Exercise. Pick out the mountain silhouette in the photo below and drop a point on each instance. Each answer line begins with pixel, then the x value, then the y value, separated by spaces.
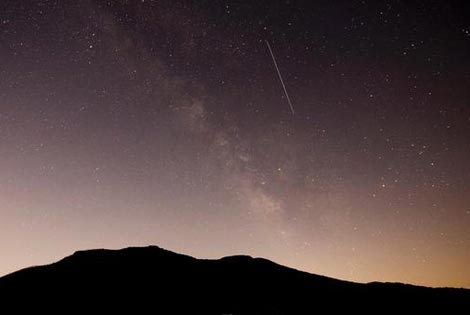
pixel 156 281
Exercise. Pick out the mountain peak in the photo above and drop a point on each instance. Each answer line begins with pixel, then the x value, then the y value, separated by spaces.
pixel 238 258
pixel 140 278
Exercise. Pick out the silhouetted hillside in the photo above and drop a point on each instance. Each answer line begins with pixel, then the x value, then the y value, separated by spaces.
pixel 158 281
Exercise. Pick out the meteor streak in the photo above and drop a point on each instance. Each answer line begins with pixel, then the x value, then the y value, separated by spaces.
pixel 280 78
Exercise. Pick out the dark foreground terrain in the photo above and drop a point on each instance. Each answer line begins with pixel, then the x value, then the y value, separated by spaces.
pixel 152 280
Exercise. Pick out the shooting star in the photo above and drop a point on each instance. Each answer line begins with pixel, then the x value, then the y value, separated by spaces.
pixel 280 78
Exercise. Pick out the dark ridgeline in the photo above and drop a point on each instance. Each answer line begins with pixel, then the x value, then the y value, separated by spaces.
pixel 156 281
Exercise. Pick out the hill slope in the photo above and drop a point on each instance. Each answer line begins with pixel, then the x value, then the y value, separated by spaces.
pixel 163 282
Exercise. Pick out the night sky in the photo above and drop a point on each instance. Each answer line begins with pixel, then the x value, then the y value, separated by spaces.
pixel 129 123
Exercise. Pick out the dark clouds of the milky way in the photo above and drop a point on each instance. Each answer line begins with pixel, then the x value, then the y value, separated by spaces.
pixel 164 122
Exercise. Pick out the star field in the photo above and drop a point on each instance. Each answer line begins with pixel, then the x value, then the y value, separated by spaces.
pixel 164 122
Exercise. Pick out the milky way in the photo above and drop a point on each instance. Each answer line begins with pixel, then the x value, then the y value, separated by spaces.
pixel 163 122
